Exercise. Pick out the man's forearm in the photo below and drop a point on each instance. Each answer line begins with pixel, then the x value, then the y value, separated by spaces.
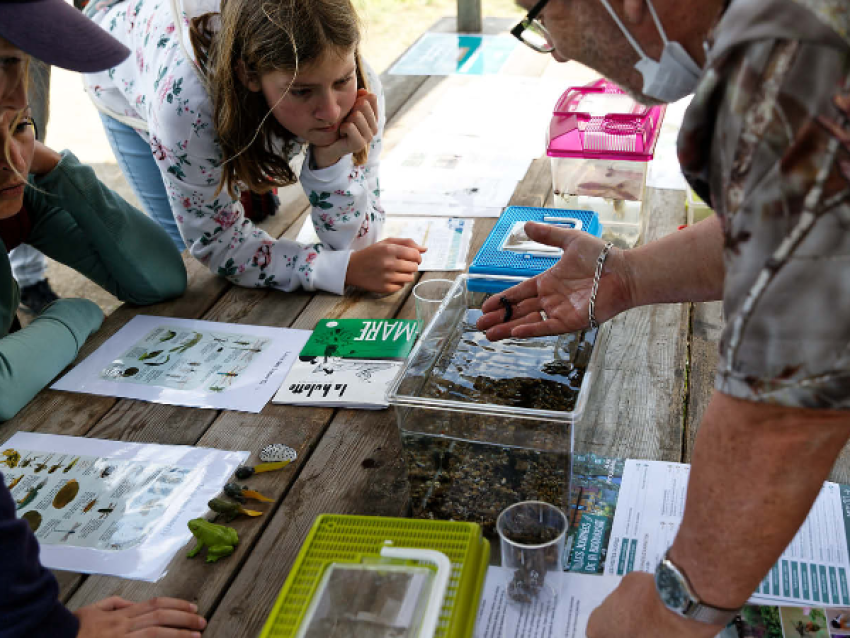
pixel 756 471
pixel 684 266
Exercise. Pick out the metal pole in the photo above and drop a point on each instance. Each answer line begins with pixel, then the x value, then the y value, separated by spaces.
pixel 469 16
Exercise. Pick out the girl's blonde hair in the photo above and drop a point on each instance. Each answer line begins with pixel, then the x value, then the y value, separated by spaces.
pixel 19 116
pixel 265 36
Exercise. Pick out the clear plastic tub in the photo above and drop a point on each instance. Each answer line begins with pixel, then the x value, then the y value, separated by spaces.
pixel 600 144
pixel 484 425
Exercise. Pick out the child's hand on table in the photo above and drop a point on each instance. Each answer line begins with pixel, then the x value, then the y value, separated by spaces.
pixel 156 618
pixel 386 266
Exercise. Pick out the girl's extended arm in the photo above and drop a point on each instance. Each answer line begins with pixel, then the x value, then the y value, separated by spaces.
pixel 83 224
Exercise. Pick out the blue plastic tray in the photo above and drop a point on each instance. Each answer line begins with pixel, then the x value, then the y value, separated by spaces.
pixel 495 261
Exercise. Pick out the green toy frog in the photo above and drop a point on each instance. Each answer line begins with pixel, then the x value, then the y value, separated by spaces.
pixel 219 540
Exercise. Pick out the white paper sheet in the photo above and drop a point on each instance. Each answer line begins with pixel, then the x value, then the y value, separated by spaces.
pixel 563 616
pixel 649 513
pixel 664 170
pixel 466 157
pixel 339 382
pixel 447 239
pixel 200 364
pixel 125 506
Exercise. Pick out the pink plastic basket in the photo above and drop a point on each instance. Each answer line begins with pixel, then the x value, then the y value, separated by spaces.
pixel 583 126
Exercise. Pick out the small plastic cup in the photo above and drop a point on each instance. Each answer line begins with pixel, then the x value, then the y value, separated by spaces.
pixel 429 295
pixel 532 536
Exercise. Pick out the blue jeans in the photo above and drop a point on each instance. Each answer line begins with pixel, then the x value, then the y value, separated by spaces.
pixel 28 265
pixel 136 161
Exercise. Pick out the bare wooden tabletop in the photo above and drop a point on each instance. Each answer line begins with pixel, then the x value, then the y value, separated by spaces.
pixel 657 377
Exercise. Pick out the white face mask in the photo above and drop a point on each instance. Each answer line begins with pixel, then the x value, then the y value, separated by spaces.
pixel 669 79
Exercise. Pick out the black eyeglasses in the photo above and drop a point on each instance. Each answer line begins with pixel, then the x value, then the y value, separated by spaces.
pixel 532 32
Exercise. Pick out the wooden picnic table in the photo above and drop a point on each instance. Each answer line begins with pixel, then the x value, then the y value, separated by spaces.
pixel 654 384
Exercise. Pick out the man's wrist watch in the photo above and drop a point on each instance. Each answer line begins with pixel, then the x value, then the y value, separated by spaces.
pixel 678 596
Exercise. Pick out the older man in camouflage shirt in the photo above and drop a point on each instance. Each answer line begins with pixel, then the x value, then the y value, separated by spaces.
pixel 767 141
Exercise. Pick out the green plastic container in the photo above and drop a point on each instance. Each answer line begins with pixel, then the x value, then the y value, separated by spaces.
pixel 336 538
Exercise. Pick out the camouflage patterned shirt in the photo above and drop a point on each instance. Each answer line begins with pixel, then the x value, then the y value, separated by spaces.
pixel 767 141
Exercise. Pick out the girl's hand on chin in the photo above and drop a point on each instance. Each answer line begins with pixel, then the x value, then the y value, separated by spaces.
pixel 355 132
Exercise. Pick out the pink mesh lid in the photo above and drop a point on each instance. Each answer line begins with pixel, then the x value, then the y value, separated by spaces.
pixel 601 121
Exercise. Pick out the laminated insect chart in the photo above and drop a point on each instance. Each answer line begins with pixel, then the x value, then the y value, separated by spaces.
pixel 193 363
pixel 110 507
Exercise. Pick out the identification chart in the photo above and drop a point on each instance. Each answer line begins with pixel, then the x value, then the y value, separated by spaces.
pixel 110 507
pixel 192 363
pixel 813 570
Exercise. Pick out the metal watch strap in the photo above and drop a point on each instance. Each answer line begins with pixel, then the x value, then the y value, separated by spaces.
pixel 711 615
pixel 696 609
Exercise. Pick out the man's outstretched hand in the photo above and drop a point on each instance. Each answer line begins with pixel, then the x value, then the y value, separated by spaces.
pixel 562 292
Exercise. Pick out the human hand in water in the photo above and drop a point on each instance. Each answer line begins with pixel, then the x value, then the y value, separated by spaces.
pixel 562 292
pixel 386 266
pixel 355 132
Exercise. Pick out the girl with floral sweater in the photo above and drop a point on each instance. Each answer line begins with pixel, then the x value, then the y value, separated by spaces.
pixel 224 98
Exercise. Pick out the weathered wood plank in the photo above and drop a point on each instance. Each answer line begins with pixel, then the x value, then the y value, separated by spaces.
pixel 356 469
pixel 469 18
pixel 706 326
pixel 636 407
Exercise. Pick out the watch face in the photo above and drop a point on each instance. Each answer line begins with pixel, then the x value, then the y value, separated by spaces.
pixel 670 588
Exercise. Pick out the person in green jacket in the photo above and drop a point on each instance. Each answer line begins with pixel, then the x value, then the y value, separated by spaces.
pixel 64 211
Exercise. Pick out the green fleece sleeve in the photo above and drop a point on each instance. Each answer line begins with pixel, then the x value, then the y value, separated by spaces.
pixel 31 357
pixel 83 224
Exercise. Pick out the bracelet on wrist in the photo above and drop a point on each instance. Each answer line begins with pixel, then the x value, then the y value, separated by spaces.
pixel 600 263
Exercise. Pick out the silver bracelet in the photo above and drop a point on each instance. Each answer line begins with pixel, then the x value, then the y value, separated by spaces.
pixel 600 262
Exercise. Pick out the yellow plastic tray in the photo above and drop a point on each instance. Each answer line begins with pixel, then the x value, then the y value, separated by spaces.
pixel 336 538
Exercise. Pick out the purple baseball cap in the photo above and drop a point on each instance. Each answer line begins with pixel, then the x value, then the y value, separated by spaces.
pixel 55 32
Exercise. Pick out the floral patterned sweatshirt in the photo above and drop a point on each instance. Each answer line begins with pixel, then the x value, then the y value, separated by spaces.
pixel 158 91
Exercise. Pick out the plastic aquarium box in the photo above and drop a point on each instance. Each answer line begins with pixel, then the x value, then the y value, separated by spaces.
pixel 486 424
pixel 600 144
pixel 508 256
pixel 338 541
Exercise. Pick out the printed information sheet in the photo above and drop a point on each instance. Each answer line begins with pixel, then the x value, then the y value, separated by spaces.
pixel 200 364
pixel 447 239
pixel 564 614
pixel 813 570
pixel 110 507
